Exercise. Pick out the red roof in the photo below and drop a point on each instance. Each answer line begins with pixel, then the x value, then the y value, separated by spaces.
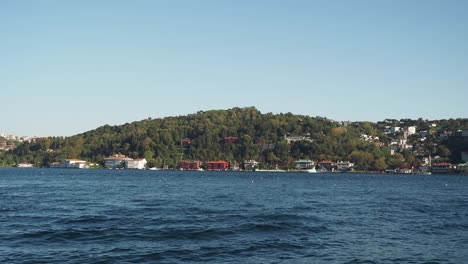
pixel 443 164
pixel 218 161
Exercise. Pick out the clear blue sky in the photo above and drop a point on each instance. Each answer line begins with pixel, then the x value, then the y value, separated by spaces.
pixel 67 67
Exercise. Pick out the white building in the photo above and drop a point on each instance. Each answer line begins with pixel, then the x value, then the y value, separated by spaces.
pixel 116 161
pixel 25 165
pixel 463 168
pixel 234 166
pixel 344 165
pixel 393 130
pixel 294 138
pixel 304 164
pixel 136 164
pixel 70 164
pixel 411 130
pixel 250 165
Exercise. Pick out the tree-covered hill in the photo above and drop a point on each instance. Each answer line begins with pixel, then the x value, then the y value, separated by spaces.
pixel 236 135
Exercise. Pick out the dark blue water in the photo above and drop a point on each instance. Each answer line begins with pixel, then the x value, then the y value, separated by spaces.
pixel 103 216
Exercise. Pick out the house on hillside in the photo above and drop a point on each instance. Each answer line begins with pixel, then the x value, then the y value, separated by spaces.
pixel 230 140
pixel 394 130
pixel 185 142
pixel 5 145
pixel 411 130
pixel 295 138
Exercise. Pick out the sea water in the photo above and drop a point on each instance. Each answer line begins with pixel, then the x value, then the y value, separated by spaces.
pixel 119 216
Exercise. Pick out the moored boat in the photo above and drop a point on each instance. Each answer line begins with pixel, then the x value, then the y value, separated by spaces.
pixel 311 170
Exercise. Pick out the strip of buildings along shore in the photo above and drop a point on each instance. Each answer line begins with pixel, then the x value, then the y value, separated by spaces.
pixel 119 161
pixel 303 165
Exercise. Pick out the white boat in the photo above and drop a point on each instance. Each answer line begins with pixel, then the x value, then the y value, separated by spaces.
pixel 312 170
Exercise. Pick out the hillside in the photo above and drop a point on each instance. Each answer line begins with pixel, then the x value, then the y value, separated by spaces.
pixel 239 134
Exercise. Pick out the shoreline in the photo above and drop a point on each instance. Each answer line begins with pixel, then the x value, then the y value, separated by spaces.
pixel 259 171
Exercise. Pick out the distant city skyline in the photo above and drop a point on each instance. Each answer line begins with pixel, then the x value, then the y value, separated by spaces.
pixel 69 67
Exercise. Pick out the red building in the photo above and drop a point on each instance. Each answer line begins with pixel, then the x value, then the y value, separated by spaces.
pixel 219 165
pixel 327 165
pixel 185 142
pixel 260 141
pixel 230 140
pixel 189 165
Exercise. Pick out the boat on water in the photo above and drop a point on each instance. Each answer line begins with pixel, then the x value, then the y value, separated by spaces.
pixel 313 170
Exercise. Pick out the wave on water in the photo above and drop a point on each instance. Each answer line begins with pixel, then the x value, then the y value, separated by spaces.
pixel 134 217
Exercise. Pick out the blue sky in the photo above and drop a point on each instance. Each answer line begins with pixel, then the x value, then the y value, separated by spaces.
pixel 67 67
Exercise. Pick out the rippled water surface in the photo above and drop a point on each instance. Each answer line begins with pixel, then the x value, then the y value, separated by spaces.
pixel 103 216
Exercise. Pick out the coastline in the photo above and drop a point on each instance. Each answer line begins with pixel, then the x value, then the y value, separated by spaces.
pixel 248 171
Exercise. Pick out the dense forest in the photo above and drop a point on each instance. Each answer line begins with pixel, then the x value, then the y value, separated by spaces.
pixel 240 134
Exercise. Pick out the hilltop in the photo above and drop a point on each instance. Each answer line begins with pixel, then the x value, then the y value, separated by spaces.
pixel 240 134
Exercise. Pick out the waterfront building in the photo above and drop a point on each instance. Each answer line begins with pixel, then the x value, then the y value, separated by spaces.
pixel 25 165
pixel 189 165
pixel 406 171
pixel 344 165
pixel 303 164
pixel 443 167
pixel 424 169
pixel 250 165
pixel 234 166
pixel 135 164
pixel 70 164
pixel 463 168
pixel 116 161
pixel 327 165
pixel 219 165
